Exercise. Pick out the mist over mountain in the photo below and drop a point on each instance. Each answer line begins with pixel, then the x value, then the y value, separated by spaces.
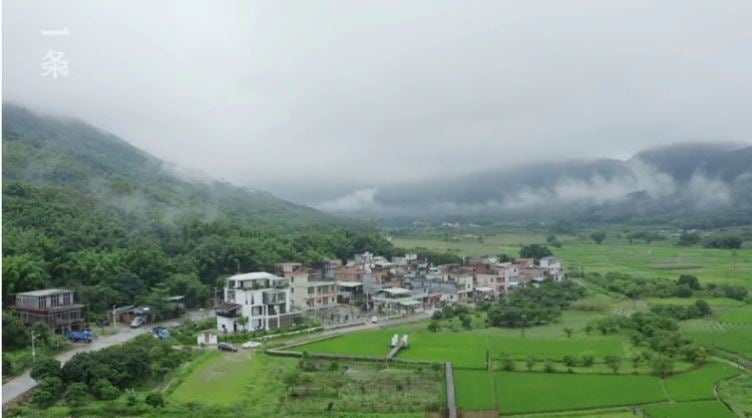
pixel 50 151
pixel 687 181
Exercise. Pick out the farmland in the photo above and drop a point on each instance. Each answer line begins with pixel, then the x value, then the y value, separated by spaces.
pixel 698 384
pixel 657 259
pixel 713 409
pixel 466 349
pixel 521 392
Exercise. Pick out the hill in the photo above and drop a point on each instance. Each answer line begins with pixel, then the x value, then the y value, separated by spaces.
pixel 690 185
pixel 85 209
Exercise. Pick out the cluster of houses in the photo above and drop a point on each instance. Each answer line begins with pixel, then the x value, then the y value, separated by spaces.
pixel 407 284
pixel 366 284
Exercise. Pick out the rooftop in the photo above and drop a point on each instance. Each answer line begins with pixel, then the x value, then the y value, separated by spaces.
pixel 397 291
pixel 45 292
pixel 258 275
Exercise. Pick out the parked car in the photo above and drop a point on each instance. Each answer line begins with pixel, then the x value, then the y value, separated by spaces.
pixel 251 344
pixel 374 319
pixel 138 321
pixel 85 336
pixel 226 347
pixel 161 332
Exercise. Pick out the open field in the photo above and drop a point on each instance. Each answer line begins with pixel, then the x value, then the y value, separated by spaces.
pixel 209 382
pixel 475 390
pixel 542 392
pixel 741 316
pixel 736 340
pixel 703 409
pixel 467 349
pixel 699 384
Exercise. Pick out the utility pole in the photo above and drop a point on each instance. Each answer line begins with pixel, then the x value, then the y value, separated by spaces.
pixel 33 348
pixel 114 317
pixel 524 323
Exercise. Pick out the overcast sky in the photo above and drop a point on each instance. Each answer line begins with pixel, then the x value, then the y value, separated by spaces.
pixel 288 94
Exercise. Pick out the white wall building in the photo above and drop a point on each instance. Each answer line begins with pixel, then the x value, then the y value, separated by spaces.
pixel 261 297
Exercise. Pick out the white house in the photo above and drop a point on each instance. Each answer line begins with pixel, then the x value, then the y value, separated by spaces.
pixel 554 267
pixel 262 298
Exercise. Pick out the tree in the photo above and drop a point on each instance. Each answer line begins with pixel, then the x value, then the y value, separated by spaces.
pixel 613 362
pixel 43 334
pixel 662 366
pixel 636 361
pixel 154 399
pixel 43 398
pixel 507 364
pixel 703 307
pixel 23 273
pixel 291 378
pixel 434 326
pixel 687 239
pixel 105 390
pixel 15 333
pixel 530 362
pixel 467 322
pixel 598 237
pixel 535 251
pixel 588 360
pixel 548 366
pixel 45 368
pixel 569 360
pixel 52 385
pixel 189 286
pixel 568 332
pixel 688 280
pixel 76 394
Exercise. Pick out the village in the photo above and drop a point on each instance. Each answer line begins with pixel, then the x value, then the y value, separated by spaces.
pixel 369 286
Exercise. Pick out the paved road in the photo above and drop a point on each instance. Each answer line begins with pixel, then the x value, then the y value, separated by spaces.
pixel 23 383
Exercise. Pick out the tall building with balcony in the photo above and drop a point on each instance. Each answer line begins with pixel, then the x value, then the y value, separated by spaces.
pixel 255 301
pixel 55 307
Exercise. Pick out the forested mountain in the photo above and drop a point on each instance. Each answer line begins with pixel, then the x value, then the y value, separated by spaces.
pixel 84 209
pixel 691 185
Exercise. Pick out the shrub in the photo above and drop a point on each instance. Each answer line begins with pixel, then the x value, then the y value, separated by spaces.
pixel 588 360
pixel 105 390
pixel 569 360
pixel 154 399
pixel 530 362
pixel 507 364
pixel 43 398
pixel 549 366
pixel 44 368
pixel 76 394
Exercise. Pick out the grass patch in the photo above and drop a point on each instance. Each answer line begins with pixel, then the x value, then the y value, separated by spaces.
pixel 707 409
pixel 541 392
pixel 699 384
pixel 220 380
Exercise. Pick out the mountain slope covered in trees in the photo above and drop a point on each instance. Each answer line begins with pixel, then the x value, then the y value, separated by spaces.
pixel 86 210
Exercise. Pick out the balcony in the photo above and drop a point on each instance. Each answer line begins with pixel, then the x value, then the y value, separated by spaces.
pixel 227 310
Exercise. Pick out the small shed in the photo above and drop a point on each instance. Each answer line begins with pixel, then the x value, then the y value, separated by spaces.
pixel 206 337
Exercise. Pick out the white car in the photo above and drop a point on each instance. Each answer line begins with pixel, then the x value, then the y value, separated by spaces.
pixel 251 344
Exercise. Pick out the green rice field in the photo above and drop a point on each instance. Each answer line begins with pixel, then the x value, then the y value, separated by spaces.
pixel 698 384
pixel 709 409
pixel 465 349
pixel 736 340
pixel 543 392
pixel 475 390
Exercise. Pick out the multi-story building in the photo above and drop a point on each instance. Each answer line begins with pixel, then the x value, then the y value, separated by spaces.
pixel 313 294
pixel 255 301
pixel 55 307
